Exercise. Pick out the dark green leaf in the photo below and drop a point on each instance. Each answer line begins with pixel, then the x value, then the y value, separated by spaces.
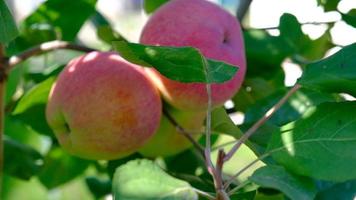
pixel 8 30
pixel 252 90
pixel 36 96
pixel 184 64
pixel 291 185
pixel 346 190
pixel 20 160
pixel 329 5
pixel 31 107
pixel 222 123
pixel 297 104
pixel 336 73
pixel 186 162
pixel 350 17
pixel 264 53
pixel 299 44
pixel 321 145
pixel 244 195
pixel 66 15
pixel 98 187
pixel 12 83
pixel 144 180
pixel 151 5
pixel 60 167
pixel 104 30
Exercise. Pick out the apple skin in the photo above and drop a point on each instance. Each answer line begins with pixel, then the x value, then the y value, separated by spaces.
pixel 103 107
pixel 203 25
pixel 168 141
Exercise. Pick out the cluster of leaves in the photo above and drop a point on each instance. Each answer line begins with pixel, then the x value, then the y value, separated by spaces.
pixel 308 145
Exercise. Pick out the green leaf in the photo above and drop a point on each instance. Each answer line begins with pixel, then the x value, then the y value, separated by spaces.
pixel 8 30
pixel 350 17
pixel 37 95
pixel 12 83
pixel 244 195
pixel 252 90
pixel 144 180
pixel 21 160
pixel 346 190
pixel 183 64
pixel 104 30
pixel 264 52
pixel 321 145
pixel 151 5
pixel 98 187
pixel 31 107
pixel 277 177
pixel 66 15
pixel 299 103
pixel 60 167
pixel 329 5
pixel 222 123
pixel 336 73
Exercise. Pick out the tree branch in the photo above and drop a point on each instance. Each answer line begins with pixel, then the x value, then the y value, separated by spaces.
pixel 260 122
pixel 184 132
pixel 43 48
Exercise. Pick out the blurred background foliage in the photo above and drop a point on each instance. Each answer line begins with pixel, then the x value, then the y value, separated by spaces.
pixel 280 39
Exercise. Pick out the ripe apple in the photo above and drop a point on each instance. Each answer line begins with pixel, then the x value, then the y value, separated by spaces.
pixel 203 25
pixel 167 140
pixel 103 107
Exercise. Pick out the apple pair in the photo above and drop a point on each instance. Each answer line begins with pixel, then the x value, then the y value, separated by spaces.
pixel 103 107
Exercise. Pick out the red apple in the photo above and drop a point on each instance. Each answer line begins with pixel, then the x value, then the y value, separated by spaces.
pixel 211 29
pixel 103 107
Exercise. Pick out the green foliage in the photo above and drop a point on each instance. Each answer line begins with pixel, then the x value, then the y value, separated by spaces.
pixel 143 179
pixel 104 30
pixel 293 186
pixel 8 29
pixel 222 123
pixel 350 17
pixel 336 73
pixel 21 160
pixel 329 5
pixel 31 107
pixel 98 187
pixel 345 190
pixel 323 137
pixel 59 168
pixel 151 5
pixel 183 64
pixel 51 12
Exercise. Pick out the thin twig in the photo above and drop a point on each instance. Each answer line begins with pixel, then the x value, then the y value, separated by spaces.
pixel 43 48
pixel 232 191
pixel 183 131
pixel 221 193
pixel 260 122
pixel 232 178
pixel 303 23
pixel 204 194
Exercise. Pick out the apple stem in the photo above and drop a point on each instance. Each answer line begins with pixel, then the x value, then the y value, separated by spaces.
pixel 260 122
pixel 183 131
pixel 2 110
